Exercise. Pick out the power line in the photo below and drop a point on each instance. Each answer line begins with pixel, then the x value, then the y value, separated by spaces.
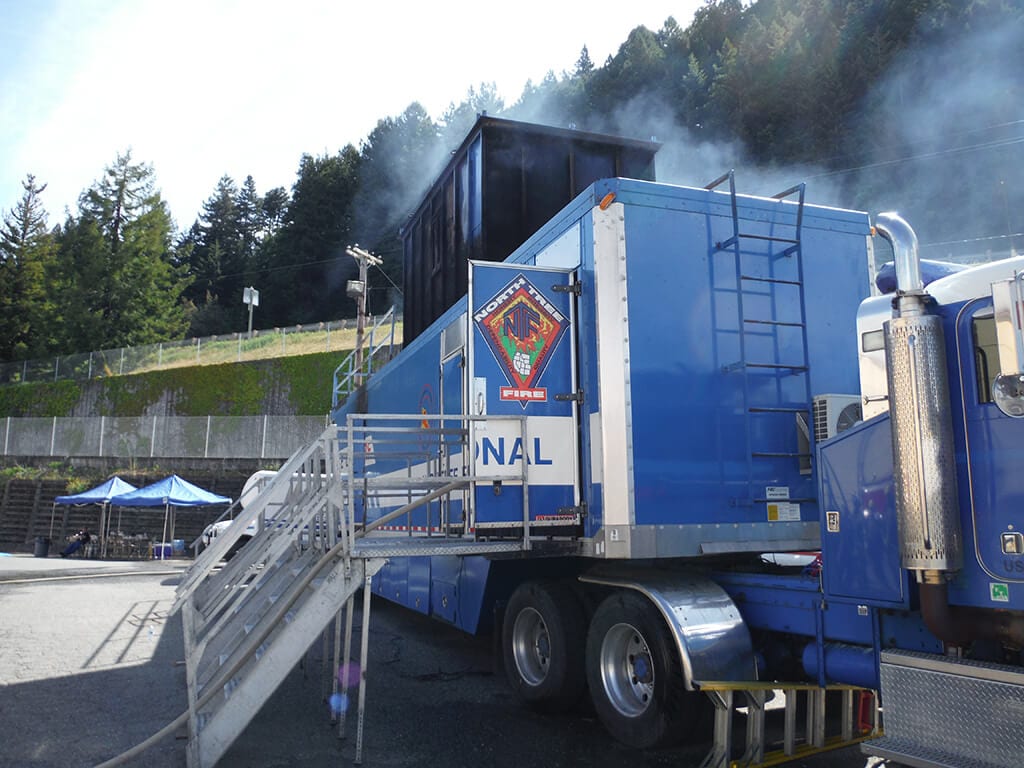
pixel 949 134
pixel 287 267
pixel 924 156
pixel 986 238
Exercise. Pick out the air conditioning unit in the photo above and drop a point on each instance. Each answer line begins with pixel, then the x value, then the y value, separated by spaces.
pixel 835 413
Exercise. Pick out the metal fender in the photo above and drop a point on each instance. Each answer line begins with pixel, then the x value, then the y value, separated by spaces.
pixel 709 632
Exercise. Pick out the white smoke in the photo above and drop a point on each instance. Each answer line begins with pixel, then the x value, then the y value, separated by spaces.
pixel 945 144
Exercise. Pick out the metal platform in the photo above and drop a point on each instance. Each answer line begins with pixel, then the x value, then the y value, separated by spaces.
pixel 418 546
pixel 942 712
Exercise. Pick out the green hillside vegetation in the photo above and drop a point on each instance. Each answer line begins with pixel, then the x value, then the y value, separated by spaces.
pixel 296 385
pixel 264 347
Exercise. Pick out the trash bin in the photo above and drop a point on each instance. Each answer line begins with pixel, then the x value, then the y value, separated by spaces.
pixel 42 546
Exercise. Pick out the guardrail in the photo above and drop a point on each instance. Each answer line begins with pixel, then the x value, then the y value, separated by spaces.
pixel 205 437
pixel 335 335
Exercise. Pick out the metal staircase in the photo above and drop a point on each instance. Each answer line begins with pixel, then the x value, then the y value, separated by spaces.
pixel 320 539
pixel 769 296
pixel 248 624
pixel 858 721
pixel 357 368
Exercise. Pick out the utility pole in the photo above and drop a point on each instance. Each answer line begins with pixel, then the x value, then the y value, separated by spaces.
pixel 356 289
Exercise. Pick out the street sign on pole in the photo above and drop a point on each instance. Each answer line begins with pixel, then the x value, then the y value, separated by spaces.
pixel 251 297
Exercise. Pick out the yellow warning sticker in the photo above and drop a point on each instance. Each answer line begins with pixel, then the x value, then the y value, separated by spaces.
pixel 783 511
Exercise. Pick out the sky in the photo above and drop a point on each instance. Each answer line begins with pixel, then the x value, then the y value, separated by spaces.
pixel 203 88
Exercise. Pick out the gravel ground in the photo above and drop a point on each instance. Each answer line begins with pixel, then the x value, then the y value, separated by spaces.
pixel 91 664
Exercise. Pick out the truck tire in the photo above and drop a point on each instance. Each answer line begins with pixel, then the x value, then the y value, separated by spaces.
pixel 635 675
pixel 542 645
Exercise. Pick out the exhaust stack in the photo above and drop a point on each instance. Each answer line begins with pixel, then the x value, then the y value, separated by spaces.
pixel 922 432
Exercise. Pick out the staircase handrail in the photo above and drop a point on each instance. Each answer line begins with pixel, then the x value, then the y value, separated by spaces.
pixel 346 369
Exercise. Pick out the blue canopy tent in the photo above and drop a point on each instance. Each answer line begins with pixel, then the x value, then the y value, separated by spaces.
pixel 101 494
pixel 169 493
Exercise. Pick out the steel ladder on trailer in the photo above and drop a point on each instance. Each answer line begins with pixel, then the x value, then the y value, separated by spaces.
pixel 762 283
pixel 770 315
pixel 250 620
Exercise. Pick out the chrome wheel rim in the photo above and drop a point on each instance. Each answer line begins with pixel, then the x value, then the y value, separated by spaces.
pixel 627 670
pixel 531 646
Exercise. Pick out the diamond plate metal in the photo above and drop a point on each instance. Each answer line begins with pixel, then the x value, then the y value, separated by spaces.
pixel 943 712
pixel 410 546
pixel 922 437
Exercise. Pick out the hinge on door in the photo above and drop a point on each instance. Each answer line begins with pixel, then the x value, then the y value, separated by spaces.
pixel 580 510
pixel 574 288
pixel 575 397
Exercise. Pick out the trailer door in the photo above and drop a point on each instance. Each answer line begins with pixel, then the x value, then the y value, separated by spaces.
pixel 523 384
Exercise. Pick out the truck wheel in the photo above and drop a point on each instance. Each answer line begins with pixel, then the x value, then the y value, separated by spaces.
pixel 542 641
pixel 635 676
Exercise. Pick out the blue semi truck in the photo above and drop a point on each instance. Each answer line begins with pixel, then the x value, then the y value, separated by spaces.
pixel 677 447
pixel 651 390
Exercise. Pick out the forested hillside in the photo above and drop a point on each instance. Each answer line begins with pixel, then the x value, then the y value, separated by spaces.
pixel 913 105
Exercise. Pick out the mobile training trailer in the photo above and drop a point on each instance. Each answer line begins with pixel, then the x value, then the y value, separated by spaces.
pixel 101 494
pixel 170 493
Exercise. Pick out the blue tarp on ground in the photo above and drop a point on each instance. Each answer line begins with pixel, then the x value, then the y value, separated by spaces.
pixel 101 494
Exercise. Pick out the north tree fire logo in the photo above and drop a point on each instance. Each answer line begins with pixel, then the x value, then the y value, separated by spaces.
pixel 522 329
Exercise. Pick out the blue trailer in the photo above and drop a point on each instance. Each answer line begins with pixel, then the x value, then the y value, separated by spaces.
pixel 638 386
pixel 678 450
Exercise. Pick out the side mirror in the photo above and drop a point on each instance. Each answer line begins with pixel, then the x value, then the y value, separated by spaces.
pixel 1008 305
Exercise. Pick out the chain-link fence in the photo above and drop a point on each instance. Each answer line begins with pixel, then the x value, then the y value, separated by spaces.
pixel 213 437
pixel 228 348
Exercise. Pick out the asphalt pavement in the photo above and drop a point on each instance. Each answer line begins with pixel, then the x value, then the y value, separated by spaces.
pixel 91 664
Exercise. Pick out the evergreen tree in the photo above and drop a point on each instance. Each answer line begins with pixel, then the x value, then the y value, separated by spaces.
pixel 275 210
pixel 26 254
pixel 225 251
pixel 217 259
pixel 116 273
pixel 251 222
pixel 584 66
pixel 303 266
pixel 457 121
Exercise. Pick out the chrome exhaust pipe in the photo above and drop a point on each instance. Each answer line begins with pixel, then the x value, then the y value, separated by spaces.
pixel 903 239
pixel 919 407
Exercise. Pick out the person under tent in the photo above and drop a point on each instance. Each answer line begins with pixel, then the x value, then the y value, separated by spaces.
pixel 77 541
